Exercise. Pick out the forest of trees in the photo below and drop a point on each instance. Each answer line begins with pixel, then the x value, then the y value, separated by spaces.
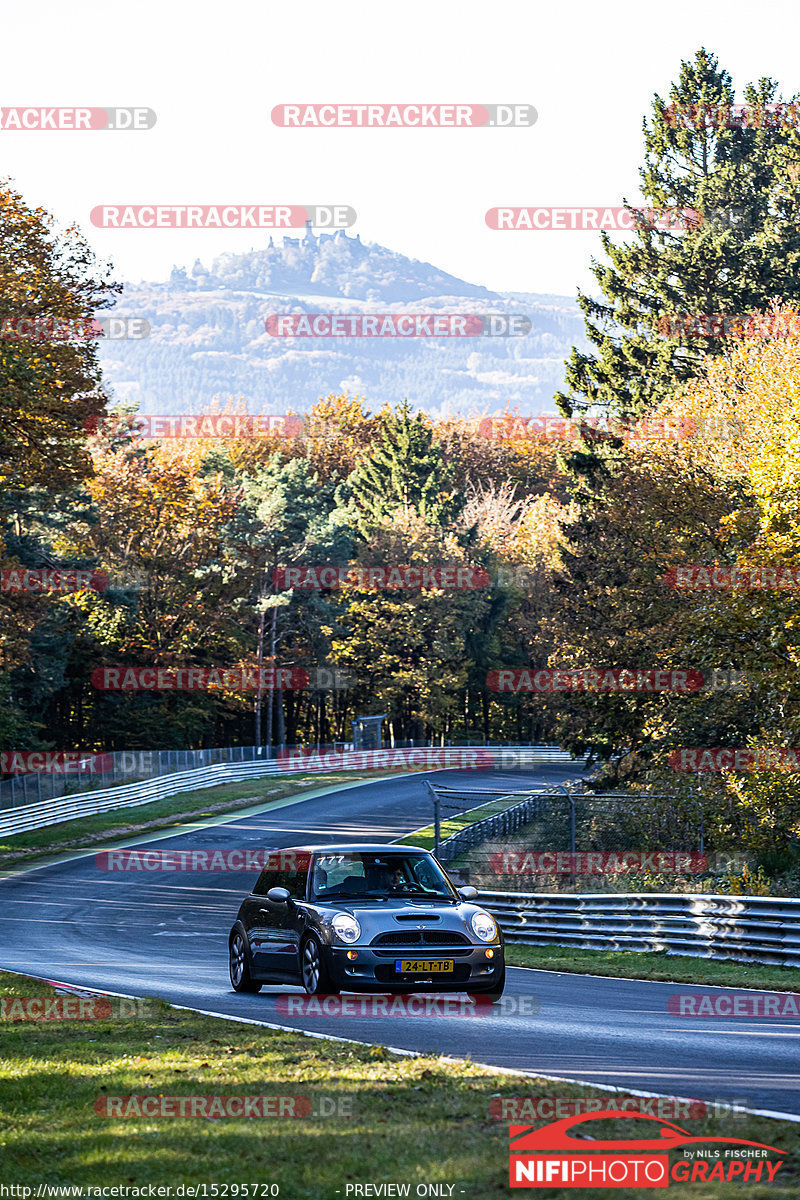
pixel 577 535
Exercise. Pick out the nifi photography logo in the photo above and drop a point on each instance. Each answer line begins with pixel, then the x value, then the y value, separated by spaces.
pixel 553 1156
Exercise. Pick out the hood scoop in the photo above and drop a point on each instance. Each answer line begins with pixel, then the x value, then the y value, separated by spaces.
pixel 418 917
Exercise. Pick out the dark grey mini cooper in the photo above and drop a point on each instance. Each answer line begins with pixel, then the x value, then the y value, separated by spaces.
pixel 364 918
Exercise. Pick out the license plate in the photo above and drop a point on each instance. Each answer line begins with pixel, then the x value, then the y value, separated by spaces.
pixel 417 966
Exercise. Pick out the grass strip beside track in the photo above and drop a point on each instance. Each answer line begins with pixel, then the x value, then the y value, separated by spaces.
pixel 408 1120
pixel 655 965
pixel 84 832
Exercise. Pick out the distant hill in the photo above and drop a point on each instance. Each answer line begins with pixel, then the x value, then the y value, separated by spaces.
pixel 208 339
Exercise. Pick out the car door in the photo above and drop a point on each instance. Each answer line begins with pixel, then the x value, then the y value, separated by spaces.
pixel 278 925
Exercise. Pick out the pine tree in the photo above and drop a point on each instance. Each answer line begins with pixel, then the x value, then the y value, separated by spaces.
pixel 742 254
pixel 404 470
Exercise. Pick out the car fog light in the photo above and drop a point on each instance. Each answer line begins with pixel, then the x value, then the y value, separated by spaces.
pixel 352 955
pixel 490 953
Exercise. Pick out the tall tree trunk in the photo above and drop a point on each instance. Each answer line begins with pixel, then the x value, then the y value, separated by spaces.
pixel 281 735
pixel 260 662
pixel 273 637
pixel 292 702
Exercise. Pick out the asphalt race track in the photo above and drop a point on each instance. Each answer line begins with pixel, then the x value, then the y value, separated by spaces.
pixel 166 935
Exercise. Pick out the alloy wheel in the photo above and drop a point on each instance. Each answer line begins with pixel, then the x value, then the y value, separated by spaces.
pixel 311 966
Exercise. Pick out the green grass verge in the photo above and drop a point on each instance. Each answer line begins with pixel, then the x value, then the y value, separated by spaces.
pixel 426 837
pixel 417 1120
pixel 23 848
pixel 631 964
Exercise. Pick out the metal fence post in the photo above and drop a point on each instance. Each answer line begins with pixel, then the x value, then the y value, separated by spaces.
pixel 436 835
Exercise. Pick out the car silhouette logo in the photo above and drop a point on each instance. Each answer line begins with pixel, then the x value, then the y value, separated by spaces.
pixel 556 1137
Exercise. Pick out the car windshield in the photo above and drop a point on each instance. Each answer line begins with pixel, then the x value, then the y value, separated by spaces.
pixel 378 876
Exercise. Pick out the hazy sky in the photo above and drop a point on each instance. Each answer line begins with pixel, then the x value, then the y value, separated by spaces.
pixel 213 73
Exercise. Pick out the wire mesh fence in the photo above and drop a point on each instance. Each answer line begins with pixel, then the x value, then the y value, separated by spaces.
pixel 572 840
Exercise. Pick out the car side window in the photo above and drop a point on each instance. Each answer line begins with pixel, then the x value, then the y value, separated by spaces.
pixel 293 881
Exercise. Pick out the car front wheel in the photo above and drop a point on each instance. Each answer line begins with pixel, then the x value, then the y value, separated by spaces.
pixel 241 978
pixel 314 970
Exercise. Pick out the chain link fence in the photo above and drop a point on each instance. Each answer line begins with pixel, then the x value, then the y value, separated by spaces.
pixel 571 840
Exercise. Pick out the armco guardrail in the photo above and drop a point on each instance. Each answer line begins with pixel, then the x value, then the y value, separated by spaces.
pixel 114 767
pixel 744 928
pixel 82 804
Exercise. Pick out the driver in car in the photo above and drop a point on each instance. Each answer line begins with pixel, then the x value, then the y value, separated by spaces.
pixel 381 877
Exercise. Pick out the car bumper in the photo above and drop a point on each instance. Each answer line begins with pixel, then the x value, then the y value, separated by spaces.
pixel 374 970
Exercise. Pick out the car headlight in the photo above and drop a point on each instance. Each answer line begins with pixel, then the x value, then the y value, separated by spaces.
pixel 484 926
pixel 346 927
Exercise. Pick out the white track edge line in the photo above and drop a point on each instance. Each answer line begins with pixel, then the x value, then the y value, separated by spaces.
pixel 330 1037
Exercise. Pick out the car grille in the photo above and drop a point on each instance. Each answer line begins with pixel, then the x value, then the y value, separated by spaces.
pixel 436 937
pixel 424 937
pixel 413 940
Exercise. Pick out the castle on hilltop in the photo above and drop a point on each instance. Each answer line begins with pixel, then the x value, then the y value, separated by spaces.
pixel 311 239
pixel 200 276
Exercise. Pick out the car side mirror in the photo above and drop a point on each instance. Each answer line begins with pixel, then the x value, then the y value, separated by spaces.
pixel 278 895
pixel 468 893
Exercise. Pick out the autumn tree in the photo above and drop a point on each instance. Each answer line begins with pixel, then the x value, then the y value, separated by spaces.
pixel 287 516
pixel 50 384
pixel 51 289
